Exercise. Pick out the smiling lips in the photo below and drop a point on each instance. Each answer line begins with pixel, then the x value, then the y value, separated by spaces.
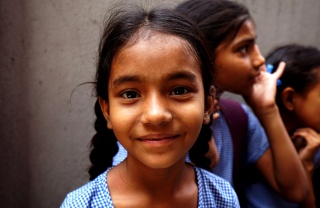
pixel 158 138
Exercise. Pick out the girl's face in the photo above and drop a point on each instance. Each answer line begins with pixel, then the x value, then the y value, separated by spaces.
pixel 238 63
pixel 156 100
pixel 307 107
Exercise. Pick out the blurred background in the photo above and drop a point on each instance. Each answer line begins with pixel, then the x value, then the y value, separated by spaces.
pixel 47 50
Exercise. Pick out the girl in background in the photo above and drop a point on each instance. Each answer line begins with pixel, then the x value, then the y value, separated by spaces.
pixel 298 98
pixel 231 35
pixel 155 96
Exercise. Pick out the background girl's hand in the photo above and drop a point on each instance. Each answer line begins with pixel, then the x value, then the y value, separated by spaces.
pixel 264 90
pixel 308 151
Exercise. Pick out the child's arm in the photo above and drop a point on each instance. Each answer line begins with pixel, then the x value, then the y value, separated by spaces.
pixel 307 155
pixel 280 164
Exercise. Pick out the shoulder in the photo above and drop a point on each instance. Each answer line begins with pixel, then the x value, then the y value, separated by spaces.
pixel 93 194
pixel 254 126
pixel 248 111
pixel 213 181
pixel 214 190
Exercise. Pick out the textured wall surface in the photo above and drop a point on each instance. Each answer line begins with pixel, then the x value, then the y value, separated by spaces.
pixel 47 49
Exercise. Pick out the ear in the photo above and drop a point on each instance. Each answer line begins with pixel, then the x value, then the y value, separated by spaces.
pixel 288 98
pixel 210 105
pixel 104 105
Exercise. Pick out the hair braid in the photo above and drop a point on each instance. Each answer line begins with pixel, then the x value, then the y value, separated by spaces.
pixel 201 147
pixel 104 145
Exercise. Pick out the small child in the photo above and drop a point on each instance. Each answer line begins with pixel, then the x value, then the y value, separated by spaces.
pixel 155 96
pixel 298 98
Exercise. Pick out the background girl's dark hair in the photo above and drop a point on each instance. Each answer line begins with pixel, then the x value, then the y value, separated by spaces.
pixel 218 20
pixel 301 62
pixel 121 27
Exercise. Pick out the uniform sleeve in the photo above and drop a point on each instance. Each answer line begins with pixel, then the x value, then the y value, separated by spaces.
pixel 257 140
pixel 120 156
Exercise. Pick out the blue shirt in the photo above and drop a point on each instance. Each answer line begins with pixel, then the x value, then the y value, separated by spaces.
pixel 257 144
pixel 212 192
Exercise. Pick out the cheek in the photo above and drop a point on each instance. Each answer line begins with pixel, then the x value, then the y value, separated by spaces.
pixel 314 117
pixel 122 117
pixel 193 116
pixel 224 76
pixel 234 79
pixel 231 68
pixel 309 115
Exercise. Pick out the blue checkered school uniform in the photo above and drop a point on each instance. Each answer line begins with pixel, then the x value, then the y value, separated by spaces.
pixel 213 191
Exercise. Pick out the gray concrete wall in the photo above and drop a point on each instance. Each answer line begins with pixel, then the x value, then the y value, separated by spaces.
pixel 47 48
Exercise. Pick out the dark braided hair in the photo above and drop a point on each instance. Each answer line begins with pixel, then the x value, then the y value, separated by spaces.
pixel 201 147
pixel 104 145
pixel 123 26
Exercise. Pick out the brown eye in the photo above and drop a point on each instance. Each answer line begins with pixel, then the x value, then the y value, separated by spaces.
pixel 130 94
pixel 179 91
pixel 244 49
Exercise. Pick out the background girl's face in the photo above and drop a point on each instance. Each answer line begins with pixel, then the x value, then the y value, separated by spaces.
pixel 238 63
pixel 156 100
pixel 307 107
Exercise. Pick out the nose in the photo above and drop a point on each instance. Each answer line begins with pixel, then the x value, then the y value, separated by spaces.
pixel 258 60
pixel 156 111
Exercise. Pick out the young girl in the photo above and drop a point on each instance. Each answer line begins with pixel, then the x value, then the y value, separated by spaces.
pixel 155 96
pixel 231 35
pixel 298 98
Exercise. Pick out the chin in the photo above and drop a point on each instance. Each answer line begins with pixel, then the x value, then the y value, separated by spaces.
pixel 247 91
pixel 159 167
pixel 159 164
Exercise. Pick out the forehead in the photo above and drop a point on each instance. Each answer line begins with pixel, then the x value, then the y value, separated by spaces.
pixel 246 32
pixel 156 53
pixel 145 43
pixel 248 29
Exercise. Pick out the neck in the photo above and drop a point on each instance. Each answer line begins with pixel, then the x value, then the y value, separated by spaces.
pixel 156 180
pixel 134 184
pixel 151 178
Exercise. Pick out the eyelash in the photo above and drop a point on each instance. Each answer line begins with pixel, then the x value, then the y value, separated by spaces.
pixel 125 94
pixel 185 90
pixel 174 92
pixel 244 47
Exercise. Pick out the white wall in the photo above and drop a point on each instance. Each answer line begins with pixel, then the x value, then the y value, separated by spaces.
pixel 47 50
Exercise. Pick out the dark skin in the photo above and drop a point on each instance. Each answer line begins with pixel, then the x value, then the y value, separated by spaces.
pixel 153 83
pixel 175 187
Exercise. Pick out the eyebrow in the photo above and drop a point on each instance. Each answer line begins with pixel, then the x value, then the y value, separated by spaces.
pixel 182 75
pixel 173 76
pixel 124 79
pixel 247 40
